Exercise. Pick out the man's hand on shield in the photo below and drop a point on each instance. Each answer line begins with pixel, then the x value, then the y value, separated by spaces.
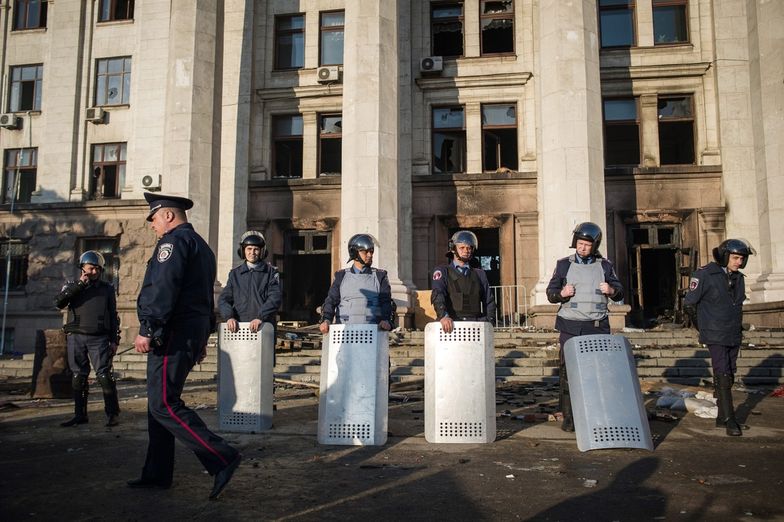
pixel 255 325
pixel 232 325
pixel 447 324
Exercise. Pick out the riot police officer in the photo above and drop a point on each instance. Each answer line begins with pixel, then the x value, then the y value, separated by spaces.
pixel 582 284
pixel 360 294
pixel 93 329
pixel 252 292
pixel 715 304
pixel 175 310
pixel 460 291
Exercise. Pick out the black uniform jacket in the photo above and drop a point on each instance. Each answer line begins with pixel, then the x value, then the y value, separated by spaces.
pixel 177 291
pixel 718 297
pixel 251 293
pixel 442 304
pixel 92 309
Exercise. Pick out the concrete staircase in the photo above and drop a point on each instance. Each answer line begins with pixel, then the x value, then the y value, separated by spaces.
pixel 669 355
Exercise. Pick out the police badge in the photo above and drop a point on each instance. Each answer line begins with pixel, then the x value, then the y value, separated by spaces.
pixel 165 252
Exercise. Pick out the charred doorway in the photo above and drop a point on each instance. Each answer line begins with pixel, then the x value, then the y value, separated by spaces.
pixel 654 273
pixel 306 274
pixel 488 255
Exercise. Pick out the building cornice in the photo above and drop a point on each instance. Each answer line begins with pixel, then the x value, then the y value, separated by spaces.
pixel 654 72
pixel 484 80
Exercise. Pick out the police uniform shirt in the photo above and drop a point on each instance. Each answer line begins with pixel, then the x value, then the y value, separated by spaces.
pixel 439 296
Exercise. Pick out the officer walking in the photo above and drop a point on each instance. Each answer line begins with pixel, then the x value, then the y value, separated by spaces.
pixel 252 292
pixel 582 283
pixel 715 305
pixel 461 292
pixel 175 309
pixel 359 294
pixel 93 329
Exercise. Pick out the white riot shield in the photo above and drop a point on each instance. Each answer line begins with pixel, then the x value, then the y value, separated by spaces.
pixel 353 403
pixel 605 393
pixel 245 378
pixel 460 383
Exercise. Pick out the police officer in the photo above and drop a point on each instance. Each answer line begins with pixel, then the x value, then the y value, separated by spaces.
pixel 460 291
pixel 175 309
pixel 582 283
pixel 360 294
pixel 93 329
pixel 252 293
pixel 715 304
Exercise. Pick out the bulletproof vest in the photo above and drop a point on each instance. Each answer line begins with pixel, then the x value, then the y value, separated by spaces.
pixel 465 293
pixel 359 298
pixel 88 312
pixel 588 302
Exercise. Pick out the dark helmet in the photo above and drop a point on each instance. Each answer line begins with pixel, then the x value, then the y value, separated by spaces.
pixel 589 232
pixel 252 238
pixel 732 246
pixel 359 242
pixel 465 237
pixel 91 257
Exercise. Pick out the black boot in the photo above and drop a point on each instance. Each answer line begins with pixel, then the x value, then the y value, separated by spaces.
pixel 80 393
pixel 110 399
pixel 720 416
pixel 565 401
pixel 726 410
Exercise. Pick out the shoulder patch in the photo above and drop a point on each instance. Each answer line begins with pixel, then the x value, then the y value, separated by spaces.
pixel 437 275
pixel 164 252
pixel 693 283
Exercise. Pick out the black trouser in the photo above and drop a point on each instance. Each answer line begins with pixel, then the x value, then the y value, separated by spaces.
pixel 84 349
pixel 724 358
pixel 167 415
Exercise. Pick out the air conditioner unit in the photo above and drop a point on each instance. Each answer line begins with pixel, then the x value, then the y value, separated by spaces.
pixel 431 64
pixel 152 182
pixel 94 115
pixel 9 121
pixel 328 74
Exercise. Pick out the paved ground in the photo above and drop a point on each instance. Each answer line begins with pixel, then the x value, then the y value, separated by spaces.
pixel 532 472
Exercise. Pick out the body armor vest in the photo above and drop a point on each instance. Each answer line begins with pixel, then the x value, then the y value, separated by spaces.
pixel 588 302
pixel 88 312
pixel 465 294
pixel 359 298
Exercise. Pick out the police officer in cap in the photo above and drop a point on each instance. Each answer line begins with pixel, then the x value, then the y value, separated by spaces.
pixel 582 284
pixel 252 292
pixel 360 294
pixel 175 309
pixel 460 291
pixel 715 305
pixel 93 329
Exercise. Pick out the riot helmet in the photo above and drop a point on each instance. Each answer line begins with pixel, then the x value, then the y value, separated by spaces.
pixel 733 246
pixel 464 237
pixel 589 232
pixel 91 257
pixel 252 238
pixel 359 242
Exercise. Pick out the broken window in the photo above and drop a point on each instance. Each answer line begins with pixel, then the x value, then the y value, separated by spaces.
pixel 330 144
pixel 109 248
pixel 19 252
pixel 676 130
pixel 19 181
pixel 670 23
pixel 108 171
pixel 616 23
pixel 499 137
pixel 446 29
pixel 331 52
pixel 621 132
pixel 26 88
pixel 496 20
pixel 112 10
pixel 29 14
pixel 287 146
pixel 113 81
pixel 449 140
pixel 290 41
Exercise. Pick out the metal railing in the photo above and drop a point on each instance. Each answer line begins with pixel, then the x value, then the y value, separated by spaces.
pixel 511 306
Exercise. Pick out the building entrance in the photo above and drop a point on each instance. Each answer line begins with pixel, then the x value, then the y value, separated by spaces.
pixel 306 274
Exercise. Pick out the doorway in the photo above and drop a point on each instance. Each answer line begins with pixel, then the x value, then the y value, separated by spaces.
pixel 307 274
pixel 654 274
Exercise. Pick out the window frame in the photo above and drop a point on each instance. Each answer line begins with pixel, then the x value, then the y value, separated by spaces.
pixel 448 130
pixel 120 164
pixel 637 121
pixel 37 88
pixel 459 19
pixel 25 170
pixel 125 95
pixel 677 119
pixel 631 5
pixel 328 136
pixel 671 3
pixel 487 128
pixel 278 33
pixel 113 16
pixel 42 14
pixel 331 29
pixel 496 16
pixel 286 138
pixel 20 263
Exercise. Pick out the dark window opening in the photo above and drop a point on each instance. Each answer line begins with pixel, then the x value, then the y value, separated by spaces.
pixel 287 146
pixel 29 14
pixel 449 140
pixel 290 42
pixel 665 236
pixel 640 236
pixel 306 274
pixel 112 10
pixel 26 82
pixel 670 22
pixel 499 137
pixel 330 144
pixel 113 81
pixel 109 247
pixel 108 171
pixel 19 181
pixel 616 23
pixel 331 51
pixel 621 132
pixel 18 252
pixel 676 131
pixel 496 20
pixel 446 29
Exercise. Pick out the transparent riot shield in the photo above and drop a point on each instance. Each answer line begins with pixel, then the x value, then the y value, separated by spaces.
pixel 353 403
pixel 460 383
pixel 245 378
pixel 605 393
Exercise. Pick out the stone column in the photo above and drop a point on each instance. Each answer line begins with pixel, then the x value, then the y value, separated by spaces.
pixel 376 178
pixel 571 167
pixel 649 123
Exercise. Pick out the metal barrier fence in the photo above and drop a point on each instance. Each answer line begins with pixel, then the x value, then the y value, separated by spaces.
pixel 511 306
